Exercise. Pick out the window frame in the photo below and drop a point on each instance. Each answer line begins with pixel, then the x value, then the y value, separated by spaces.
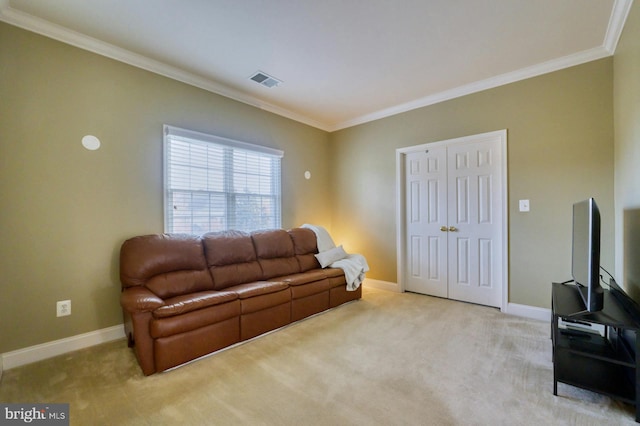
pixel 191 136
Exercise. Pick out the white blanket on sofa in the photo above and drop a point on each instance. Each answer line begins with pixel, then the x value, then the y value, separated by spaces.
pixel 324 240
pixel 354 265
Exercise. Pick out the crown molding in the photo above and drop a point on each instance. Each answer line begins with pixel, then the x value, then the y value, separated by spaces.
pixel 29 22
pixel 478 86
pixel 617 20
pixel 618 17
pixel 82 41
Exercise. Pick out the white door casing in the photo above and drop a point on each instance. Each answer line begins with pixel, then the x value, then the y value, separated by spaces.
pixel 452 228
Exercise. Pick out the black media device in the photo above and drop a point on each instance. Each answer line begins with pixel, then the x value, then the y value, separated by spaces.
pixel 585 254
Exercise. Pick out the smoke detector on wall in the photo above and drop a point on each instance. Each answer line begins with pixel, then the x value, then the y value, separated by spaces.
pixel 265 79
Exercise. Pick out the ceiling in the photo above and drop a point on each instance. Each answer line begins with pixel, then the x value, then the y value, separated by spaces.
pixel 341 62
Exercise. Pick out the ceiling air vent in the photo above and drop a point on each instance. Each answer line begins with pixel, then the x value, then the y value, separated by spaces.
pixel 265 79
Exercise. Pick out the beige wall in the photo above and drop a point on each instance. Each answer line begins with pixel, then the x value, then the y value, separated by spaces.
pixel 627 152
pixel 65 210
pixel 560 150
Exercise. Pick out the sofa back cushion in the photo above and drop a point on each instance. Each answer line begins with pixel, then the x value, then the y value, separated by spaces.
pixel 275 252
pixel 231 258
pixel 167 264
pixel 305 247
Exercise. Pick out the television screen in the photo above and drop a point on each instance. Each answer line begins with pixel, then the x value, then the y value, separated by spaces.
pixel 585 255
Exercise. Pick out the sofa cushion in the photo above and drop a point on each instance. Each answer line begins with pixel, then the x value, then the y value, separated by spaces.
pixel 336 276
pixel 305 246
pixel 315 287
pixel 333 272
pixel 304 240
pixel 261 295
pixel 190 302
pixel 180 282
pixel 169 326
pixel 303 277
pixel 257 288
pixel 231 258
pixel 274 249
pixel 167 264
pixel 279 266
pixel 272 243
pixel 270 304
pixel 226 247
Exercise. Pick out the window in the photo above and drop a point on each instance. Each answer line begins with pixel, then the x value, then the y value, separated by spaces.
pixel 215 184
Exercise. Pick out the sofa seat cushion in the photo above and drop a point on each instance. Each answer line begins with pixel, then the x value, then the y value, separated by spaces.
pixel 190 302
pixel 302 278
pixel 257 288
pixel 333 272
pixel 307 283
pixel 170 326
pixel 336 276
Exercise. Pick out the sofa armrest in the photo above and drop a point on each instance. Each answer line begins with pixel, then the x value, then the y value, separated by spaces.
pixel 192 302
pixel 139 299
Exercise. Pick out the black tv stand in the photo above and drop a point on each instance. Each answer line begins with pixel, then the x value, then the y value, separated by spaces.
pixel 607 364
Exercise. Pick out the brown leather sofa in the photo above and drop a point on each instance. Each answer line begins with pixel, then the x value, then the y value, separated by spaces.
pixel 185 296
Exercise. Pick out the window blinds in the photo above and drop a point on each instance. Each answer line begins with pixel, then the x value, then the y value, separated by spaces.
pixel 215 184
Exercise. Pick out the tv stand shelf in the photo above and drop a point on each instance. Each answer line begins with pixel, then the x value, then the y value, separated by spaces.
pixel 606 364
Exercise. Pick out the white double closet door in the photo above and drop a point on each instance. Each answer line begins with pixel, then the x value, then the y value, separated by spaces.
pixel 454 219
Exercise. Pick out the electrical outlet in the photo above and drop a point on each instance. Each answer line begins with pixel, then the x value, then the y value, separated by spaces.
pixel 63 308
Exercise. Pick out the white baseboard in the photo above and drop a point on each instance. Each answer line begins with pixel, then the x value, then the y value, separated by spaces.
pixel 59 347
pixel 381 285
pixel 47 350
pixel 43 351
pixel 526 311
pixel 531 312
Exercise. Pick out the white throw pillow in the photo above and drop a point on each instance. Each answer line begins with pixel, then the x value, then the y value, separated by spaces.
pixel 326 258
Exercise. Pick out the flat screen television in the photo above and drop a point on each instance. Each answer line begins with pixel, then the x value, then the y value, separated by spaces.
pixel 585 254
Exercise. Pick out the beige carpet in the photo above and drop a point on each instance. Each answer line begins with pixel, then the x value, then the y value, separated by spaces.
pixel 388 359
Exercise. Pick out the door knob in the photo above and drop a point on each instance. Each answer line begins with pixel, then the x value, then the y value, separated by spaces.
pixel 453 229
pixel 443 229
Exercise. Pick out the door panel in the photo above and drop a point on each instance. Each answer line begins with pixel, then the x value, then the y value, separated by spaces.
pixel 427 212
pixel 461 206
pixel 462 261
pixel 484 262
pixel 475 269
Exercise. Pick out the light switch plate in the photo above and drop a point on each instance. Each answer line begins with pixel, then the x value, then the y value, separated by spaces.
pixel 524 205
